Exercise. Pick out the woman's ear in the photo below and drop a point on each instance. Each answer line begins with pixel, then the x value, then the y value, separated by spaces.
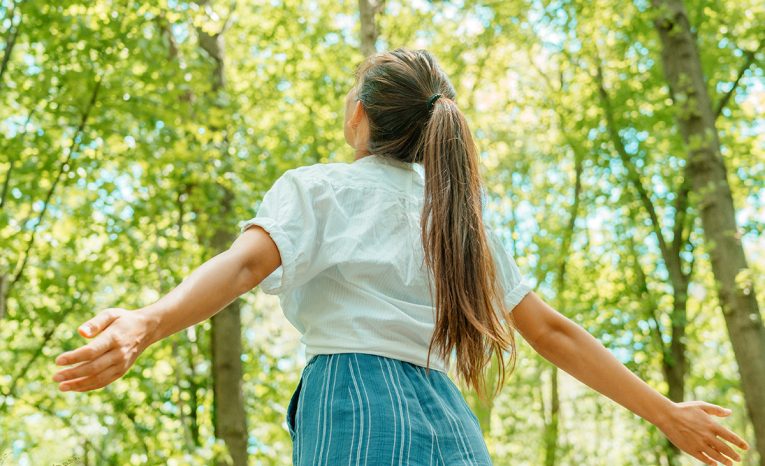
pixel 358 113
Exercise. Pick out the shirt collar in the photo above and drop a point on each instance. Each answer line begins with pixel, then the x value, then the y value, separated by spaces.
pixel 374 158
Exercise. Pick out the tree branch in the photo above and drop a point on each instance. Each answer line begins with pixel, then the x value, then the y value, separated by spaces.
pixel 63 169
pixel 748 61
pixel 36 354
pixel 7 181
pixel 67 421
pixel 632 172
pixel 681 209
pixel 3 293
pixel 25 368
pixel 650 303
pixel 229 17
pixel 10 42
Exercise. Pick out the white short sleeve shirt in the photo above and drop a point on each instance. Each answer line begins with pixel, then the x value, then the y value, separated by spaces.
pixel 353 277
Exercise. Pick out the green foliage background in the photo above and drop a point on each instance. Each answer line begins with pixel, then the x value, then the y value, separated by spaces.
pixel 111 143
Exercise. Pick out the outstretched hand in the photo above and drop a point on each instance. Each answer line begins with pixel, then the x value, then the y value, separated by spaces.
pixel 119 337
pixel 692 429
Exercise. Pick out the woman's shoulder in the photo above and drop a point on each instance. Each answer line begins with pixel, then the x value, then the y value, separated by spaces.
pixel 319 171
pixel 335 175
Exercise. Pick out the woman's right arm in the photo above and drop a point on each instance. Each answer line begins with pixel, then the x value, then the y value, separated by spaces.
pixel 689 425
pixel 120 336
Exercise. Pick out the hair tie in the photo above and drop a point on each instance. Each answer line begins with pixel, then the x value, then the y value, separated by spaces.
pixel 432 99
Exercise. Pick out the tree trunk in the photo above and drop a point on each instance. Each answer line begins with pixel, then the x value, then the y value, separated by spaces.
pixel 707 174
pixel 368 10
pixel 674 373
pixel 229 415
pixel 228 401
pixel 551 428
pixel 674 366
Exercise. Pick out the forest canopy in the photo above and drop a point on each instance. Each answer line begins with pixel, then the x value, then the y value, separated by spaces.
pixel 626 179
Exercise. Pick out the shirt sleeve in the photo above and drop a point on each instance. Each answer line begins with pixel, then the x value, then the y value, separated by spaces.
pixel 515 286
pixel 289 213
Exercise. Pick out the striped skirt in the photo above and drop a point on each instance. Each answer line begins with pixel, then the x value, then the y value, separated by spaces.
pixel 364 409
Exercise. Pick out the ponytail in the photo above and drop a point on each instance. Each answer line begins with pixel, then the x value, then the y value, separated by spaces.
pixel 457 250
pixel 408 122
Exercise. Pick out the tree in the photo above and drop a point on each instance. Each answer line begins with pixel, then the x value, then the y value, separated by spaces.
pixel 706 171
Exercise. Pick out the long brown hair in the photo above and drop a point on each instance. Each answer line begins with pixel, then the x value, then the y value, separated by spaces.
pixel 395 88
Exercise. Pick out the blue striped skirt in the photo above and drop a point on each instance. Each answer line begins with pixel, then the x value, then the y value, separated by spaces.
pixel 365 409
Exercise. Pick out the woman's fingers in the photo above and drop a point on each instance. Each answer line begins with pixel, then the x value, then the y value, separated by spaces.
pixel 724 449
pixel 88 368
pixel 92 350
pixel 710 408
pixel 701 456
pixel 712 452
pixel 730 436
pixel 118 338
pixel 102 379
pixel 98 323
pixel 696 433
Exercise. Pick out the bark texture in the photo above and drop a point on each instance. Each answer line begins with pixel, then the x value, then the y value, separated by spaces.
pixel 229 414
pixel 706 172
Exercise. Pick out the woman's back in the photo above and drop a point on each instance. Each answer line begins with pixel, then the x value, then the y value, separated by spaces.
pixel 353 277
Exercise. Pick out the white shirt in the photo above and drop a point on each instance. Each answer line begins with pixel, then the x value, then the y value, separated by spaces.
pixel 353 277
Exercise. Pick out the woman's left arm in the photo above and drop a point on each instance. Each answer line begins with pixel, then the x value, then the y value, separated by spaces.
pixel 119 336
pixel 570 347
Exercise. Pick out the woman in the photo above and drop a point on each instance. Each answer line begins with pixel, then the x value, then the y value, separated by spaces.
pixel 386 267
